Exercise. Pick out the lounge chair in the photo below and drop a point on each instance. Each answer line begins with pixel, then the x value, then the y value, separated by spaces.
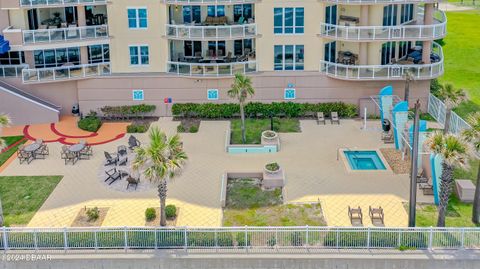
pixel 387 137
pixel 71 157
pixel 376 215
pixel 320 118
pixel 355 215
pixel 334 118
pixel 426 188
pixel 133 142
pixel 422 177
pixel 110 160
pixel 112 175
pixel 132 181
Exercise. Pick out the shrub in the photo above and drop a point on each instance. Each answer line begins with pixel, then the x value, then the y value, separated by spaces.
pixel 128 111
pixel 180 128
pixel 296 239
pixel 193 129
pixel 150 214
pixel 272 166
pixel 137 128
pixel 256 109
pixel 93 214
pixel 171 211
pixel 90 123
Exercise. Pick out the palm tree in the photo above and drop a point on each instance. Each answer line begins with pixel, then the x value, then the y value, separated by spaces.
pixel 473 136
pixel 454 152
pixel 409 77
pixel 240 90
pixel 160 161
pixel 452 97
pixel 4 122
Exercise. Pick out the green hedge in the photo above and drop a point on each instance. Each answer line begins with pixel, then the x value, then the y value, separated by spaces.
pixel 137 128
pixel 255 109
pixel 127 111
pixel 90 123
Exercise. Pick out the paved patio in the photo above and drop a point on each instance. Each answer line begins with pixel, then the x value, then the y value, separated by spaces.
pixel 309 159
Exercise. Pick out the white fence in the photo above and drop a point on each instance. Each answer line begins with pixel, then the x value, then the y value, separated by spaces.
pixel 437 109
pixel 211 32
pixel 12 70
pixel 65 72
pixel 211 69
pixel 65 34
pixel 240 238
pixel 34 3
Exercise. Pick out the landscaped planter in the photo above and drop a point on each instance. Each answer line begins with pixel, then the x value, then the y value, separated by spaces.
pixel 272 168
pixel 273 176
pixel 269 135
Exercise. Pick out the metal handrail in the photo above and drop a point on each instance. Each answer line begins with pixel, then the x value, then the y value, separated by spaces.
pixel 208 2
pixel 12 70
pixel 64 34
pixel 176 31
pixel 362 2
pixel 35 3
pixel 211 69
pixel 50 74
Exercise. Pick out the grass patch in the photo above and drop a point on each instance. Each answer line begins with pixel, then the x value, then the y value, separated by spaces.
pixel 22 196
pixel 247 193
pixel 255 127
pixel 188 126
pixel 10 140
pixel 458 214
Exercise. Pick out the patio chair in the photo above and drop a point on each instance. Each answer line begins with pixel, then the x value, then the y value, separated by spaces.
pixel 133 142
pixel 121 150
pixel 387 137
pixel 422 177
pixel 112 175
pixel 122 160
pixel 355 215
pixel 334 118
pixel 376 215
pixel 71 157
pixel 24 156
pixel 87 151
pixel 110 160
pixel 426 188
pixel 41 152
pixel 320 118
pixel 132 181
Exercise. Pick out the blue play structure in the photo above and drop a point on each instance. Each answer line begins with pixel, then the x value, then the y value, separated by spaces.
pixel 4 45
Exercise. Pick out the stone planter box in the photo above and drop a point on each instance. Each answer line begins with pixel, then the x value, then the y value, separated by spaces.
pixel 268 145
pixel 273 180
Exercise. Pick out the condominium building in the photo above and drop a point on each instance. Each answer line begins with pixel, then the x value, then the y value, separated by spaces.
pixel 58 53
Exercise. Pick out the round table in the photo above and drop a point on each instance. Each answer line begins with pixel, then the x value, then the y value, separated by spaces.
pixel 32 147
pixel 76 147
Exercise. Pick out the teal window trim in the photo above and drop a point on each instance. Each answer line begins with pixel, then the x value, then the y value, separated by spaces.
pixel 212 94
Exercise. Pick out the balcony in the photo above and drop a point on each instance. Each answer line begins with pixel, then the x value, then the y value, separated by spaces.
pixel 410 32
pixel 188 32
pixel 11 70
pixel 65 34
pixel 369 2
pixel 211 69
pixel 73 72
pixel 51 3
pixel 209 2
pixel 395 71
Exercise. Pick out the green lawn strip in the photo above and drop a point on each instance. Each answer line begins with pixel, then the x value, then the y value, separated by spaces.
pixel 461 46
pixel 10 140
pixel 255 127
pixel 22 196
pixel 458 215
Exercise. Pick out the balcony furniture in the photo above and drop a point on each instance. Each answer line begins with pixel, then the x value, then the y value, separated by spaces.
pixel 376 215
pixel 112 175
pixel 320 118
pixel 348 20
pixel 334 118
pixel 465 190
pixel 223 20
pixel 356 216
pixel 110 159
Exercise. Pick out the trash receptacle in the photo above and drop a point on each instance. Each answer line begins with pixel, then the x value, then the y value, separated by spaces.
pixel 386 125
pixel 75 110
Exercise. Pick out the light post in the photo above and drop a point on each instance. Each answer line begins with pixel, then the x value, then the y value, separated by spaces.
pixel 414 167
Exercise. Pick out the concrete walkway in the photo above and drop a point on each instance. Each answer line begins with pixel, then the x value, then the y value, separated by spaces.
pixel 445 6
pixel 309 159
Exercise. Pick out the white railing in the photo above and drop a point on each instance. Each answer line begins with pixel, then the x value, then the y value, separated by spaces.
pixel 12 70
pixel 65 72
pixel 362 2
pixel 399 32
pixel 208 2
pixel 238 238
pixel 437 109
pixel 211 32
pixel 64 34
pixel 211 69
pixel 34 3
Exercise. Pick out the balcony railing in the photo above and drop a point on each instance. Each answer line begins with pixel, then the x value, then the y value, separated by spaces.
pixel 12 70
pixel 363 2
pixel 36 3
pixel 384 72
pixel 65 34
pixel 211 69
pixel 399 32
pixel 211 32
pixel 208 2
pixel 65 73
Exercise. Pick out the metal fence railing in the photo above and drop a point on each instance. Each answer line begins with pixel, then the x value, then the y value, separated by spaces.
pixel 437 109
pixel 240 238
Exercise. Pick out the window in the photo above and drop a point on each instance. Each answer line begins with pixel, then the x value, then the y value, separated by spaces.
pixel 404 47
pixel 244 11
pixel 98 53
pixel 216 48
pixel 289 94
pixel 241 47
pixel 390 15
pixel 139 55
pixel 331 14
pixel 216 11
pixel 288 57
pixel 406 13
pixel 137 95
pixel 212 94
pixel 192 14
pixel 330 51
pixel 289 20
pixel 56 57
pixel 137 18
pixel 388 52
pixel 192 48
pixel 12 57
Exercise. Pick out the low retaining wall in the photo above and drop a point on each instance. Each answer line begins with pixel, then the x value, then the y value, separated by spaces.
pixel 249 148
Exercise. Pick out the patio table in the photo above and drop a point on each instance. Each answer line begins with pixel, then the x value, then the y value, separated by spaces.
pixel 76 148
pixel 32 147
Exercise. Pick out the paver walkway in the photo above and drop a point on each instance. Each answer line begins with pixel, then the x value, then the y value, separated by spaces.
pixel 309 160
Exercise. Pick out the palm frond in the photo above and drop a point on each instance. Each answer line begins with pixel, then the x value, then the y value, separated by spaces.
pixel 5 120
pixel 453 149
pixel 473 135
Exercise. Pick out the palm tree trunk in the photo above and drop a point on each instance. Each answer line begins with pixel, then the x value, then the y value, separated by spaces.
pixel 162 194
pixel 446 186
pixel 476 200
pixel 448 115
pixel 407 90
pixel 242 115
